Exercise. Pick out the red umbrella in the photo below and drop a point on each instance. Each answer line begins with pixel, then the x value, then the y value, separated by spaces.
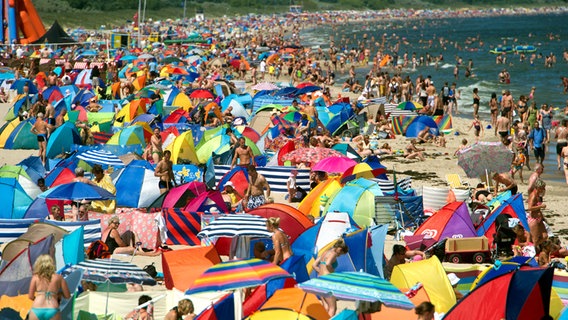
pixel 201 94
pixel 311 155
pixel 304 84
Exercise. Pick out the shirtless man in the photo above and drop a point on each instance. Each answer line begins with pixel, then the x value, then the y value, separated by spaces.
pixel 41 129
pixel 244 154
pixel 50 116
pixel 507 181
pixel 165 172
pixel 503 125
pixel 254 195
pixel 507 104
pixel 538 169
pixel 156 145
pixel 60 119
pixel 561 136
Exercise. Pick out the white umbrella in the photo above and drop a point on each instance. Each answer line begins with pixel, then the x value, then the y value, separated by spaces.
pixel 233 225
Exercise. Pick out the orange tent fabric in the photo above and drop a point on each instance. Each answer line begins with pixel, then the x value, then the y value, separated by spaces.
pixel 216 110
pixel 401 314
pixel 292 221
pixel 20 304
pixel 295 300
pixel 180 271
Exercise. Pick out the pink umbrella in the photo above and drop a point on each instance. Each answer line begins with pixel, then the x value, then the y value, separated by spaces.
pixel 334 164
pixel 311 156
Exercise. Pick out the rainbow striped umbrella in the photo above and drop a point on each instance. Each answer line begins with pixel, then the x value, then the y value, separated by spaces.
pixel 237 274
pixel 357 286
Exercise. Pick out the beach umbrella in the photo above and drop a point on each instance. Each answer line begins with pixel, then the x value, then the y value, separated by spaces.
pixel 310 155
pixel 357 286
pixel 264 86
pixel 360 170
pixel 484 157
pixel 237 274
pixel 102 157
pixel 247 132
pixel 305 84
pixel 334 164
pixel 129 58
pixel 308 89
pixel 234 225
pixel 145 56
pixel 201 94
pixel 171 59
pixel 61 140
pixel 77 191
pixel 409 105
pixel 23 179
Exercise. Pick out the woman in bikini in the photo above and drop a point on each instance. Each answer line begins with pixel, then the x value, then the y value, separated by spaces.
pixel 564 155
pixel 282 249
pixel 45 289
pixel 535 218
pixel 326 264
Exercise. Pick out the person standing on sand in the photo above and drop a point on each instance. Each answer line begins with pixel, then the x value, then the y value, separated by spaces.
pixel 254 196
pixel 476 101
pixel 41 129
pixel 538 170
pixel 326 264
pixel 493 106
pixel 478 128
pixel 165 172
pixel 561 135
pixel 46 290
pixel 244 154
pixel 503 126
pixel 156 145
pixel 507 181
pixel 564 155
pixel 507 104
pixel 281 244
pixel 538 139
pixel 535 218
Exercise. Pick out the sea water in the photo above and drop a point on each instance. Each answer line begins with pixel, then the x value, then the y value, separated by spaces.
pixel 465 39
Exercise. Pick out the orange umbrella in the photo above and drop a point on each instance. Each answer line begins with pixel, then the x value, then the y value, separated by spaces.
pixel 139 82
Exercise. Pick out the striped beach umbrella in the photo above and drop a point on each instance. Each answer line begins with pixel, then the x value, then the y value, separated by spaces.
pixel 233 225
pixel 112 270
pixel 102 157
pixel 357 286
pixel 237 274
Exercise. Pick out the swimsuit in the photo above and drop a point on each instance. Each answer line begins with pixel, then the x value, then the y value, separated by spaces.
pixel 163 184
pixel 504 134
pixel 111 243
pixel 45 313
pixel 255 201
pixel 41 137
pixel 51 121
pixel 334 265
pixel 559 145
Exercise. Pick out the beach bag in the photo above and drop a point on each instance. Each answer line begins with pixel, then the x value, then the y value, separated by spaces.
pixel 98 250
pixel 151 270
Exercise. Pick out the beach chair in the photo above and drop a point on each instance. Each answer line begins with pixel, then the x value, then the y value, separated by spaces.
pixel 455 182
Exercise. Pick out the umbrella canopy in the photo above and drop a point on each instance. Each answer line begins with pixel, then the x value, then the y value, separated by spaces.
pixel 357 286
pixel 482 156
pixel 360 170
pixel 102 157
pixel 236 274
pixel 409 105
pixel 311 155
pixel 233 225
pixel 334 164
pixel 201 94
pixel 77 191
pixel 115 271
pixel 291 303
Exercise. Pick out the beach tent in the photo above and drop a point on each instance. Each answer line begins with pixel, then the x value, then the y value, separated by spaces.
pixel 132 135
pixel 357 198
pixel 20 137
pixel 56 35
pixel 35 168
pixel 365 251
pixel 180 196
pixel 15 200
pixel 418 124
pixel 19 84
pixel 291 303
pixel 15 276
pixel 292 221
pixel 140 194
pixel 183 149
pixel 7 129
pixel 238 176
pixel 180 272
pixel 435 198
pixel 261 120
pixel 513 206
pixel 59 175
pixel 317 198
pixel 452 221
pixel 61 139
pixel 15 308
pixel 207 200
pixel 436 284
pixel 35 232
pixel 238 109
pixel 262 293
pixel 23 179
pixel 331 227
pixel 212 110
pixel 130 111
pixel 347 150
pixel 521 294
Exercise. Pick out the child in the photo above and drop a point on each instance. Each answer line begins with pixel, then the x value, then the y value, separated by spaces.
pixel 518 163
pixel 291 185
pixel 462 146
pixel 440 141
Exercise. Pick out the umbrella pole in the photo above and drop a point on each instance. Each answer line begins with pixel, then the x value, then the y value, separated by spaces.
pixel 238 303
pixel 107 297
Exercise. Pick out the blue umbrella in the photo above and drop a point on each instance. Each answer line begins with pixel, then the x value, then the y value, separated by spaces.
pixel 20 83
pixel 307 89
pixel 77 191
pixel 129 58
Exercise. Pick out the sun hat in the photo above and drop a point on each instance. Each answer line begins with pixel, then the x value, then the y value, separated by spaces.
pixel 454 279
pixel 229 184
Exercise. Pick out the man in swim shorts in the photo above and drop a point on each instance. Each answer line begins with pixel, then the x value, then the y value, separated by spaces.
pixel 40 129
pixel 503 126
pixel 255 193
pixel 165 172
